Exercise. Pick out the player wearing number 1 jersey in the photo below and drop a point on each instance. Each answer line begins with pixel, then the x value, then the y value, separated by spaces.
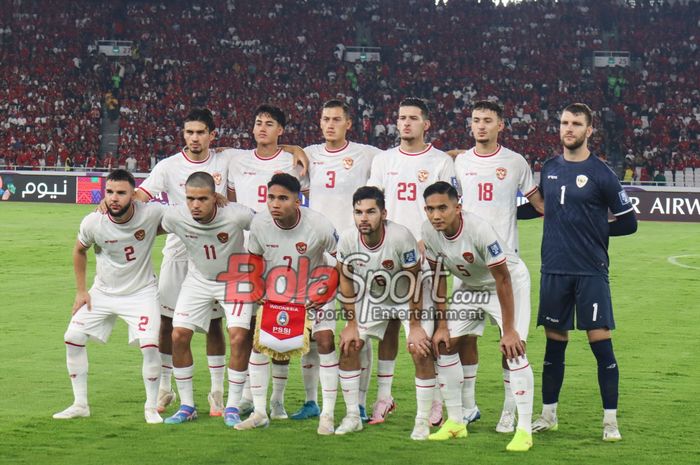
pixel 124 287
pixel 211 235
pixel 404 172
pixel 337 169
pixel 490 177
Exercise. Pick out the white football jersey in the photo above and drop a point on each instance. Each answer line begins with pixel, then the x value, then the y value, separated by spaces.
pixel 249 174
pixel 471 252
pixel 123 250
pixel 490 185
pixel 311 236
pixel 396 251
pixel 334 176
pixel 169 176
pixel 404 177
pixel 209 245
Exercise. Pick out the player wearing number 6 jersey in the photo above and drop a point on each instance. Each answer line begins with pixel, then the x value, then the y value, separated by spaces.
pixel 404 172
pixel 578 190
pixel 490 177
pixel 124 287
pixel 211 235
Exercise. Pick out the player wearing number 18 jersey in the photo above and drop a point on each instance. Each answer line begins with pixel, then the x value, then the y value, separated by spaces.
pixel 124 287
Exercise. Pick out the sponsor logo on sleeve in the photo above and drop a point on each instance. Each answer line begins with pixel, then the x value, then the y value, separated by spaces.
pixel 624 199
pixel 495 249
pixel 409 257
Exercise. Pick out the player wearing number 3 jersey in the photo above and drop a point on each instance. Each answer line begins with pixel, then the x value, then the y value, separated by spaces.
pixel 124 287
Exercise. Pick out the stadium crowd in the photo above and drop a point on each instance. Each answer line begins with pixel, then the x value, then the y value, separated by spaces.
pixel 231 56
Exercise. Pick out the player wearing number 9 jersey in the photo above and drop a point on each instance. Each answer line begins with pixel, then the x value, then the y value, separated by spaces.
pixel 578 190
pixel 124 287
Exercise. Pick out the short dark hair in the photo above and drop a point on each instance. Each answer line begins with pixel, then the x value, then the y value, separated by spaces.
pixel 579 108
pixel 441 187
pixel 275 113
pixel 416 102
pixel 489 105
pixel 369 192
pixel 202 115
pixel 335 103
pixel 201 179
pixel 287 181
pixel 121 175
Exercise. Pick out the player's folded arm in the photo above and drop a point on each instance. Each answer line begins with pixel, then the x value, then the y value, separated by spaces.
pixel 624 224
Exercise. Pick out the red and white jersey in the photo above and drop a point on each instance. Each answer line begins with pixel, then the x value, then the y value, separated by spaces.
pixel 490 185
pixel 404 177
pixel 396 251
pixel 307 240
pixel 123 250
pixel 471 252
pixel 169 176
pixel 209 245
pixel 249 175
pixel 334 176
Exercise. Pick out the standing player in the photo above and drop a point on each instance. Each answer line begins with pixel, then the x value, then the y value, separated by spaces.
pixel 124 287
pixel 490 177
pixel 336 169
pixel 211 235
pixel 284 236
pixel 578 190
pixel 403 173
pixel 169 176
pixel 376 244
pixel 472 250
pixel 248 176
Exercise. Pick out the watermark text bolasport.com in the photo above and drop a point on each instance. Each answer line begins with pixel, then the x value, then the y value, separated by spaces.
pixel 248 280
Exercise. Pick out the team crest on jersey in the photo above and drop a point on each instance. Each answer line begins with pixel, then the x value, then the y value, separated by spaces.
pixel 223 237
pixel 388 264
pixel 301 247
pixel 468 257
pixel 423 175
pixel 501 173
pixel 217 178
pixel 283 318
pixel 140 235
pixel 581 180
pixel 347 163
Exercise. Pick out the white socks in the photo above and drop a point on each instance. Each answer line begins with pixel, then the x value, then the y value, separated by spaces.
pixel 236 381
pixel 151 373
pixel 77 363
pixel 310 372
pixel 183 379
pixel 259 370
pixel 522 385
pixel 350 384
pixel 424 397
pixel 469 386
pixel 509 400
pixel 166 371
pixel 217 370
pixel 385 376
pixel 280 373
pixel 450 379
pixel 365 370
pixel 329 382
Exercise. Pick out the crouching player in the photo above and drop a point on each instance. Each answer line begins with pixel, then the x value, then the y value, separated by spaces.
pixel 387 254
pixel 469 248
pixel 211 234
pixel 124 287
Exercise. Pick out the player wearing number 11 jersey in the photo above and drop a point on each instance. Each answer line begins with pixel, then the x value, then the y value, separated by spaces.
pixel 124 287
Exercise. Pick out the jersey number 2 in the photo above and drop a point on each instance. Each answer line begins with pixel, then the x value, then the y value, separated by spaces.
pixel 129 253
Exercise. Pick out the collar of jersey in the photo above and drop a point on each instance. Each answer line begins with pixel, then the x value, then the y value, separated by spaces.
pixel 184 154
pixel 459 231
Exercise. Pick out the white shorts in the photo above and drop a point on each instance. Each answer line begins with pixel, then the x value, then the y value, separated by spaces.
pixel 195 306
pixel 470 319
pixel 326 318
pixel 373 319
pixel 172 275
pixel 139 310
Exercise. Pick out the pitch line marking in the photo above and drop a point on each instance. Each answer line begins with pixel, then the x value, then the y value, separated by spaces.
pixel 674 261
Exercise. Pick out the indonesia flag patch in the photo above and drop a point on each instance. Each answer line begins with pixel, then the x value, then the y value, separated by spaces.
pixel 495 249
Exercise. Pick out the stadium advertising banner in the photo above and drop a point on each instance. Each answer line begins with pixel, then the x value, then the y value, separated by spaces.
pixel 664 204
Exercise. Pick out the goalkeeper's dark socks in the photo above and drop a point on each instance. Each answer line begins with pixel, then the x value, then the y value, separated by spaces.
pixel 608 373
pixel 553 370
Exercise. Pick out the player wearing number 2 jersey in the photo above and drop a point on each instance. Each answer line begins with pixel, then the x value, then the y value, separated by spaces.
pixel 124 287
pixel 404 172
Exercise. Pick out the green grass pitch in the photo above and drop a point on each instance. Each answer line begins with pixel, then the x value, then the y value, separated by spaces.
pixel 657 344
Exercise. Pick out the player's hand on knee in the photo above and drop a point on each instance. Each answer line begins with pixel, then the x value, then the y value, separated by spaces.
pixel 349 339
pixel 511 345
pixel 418 342
pixel 81 298
pixel 441 336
